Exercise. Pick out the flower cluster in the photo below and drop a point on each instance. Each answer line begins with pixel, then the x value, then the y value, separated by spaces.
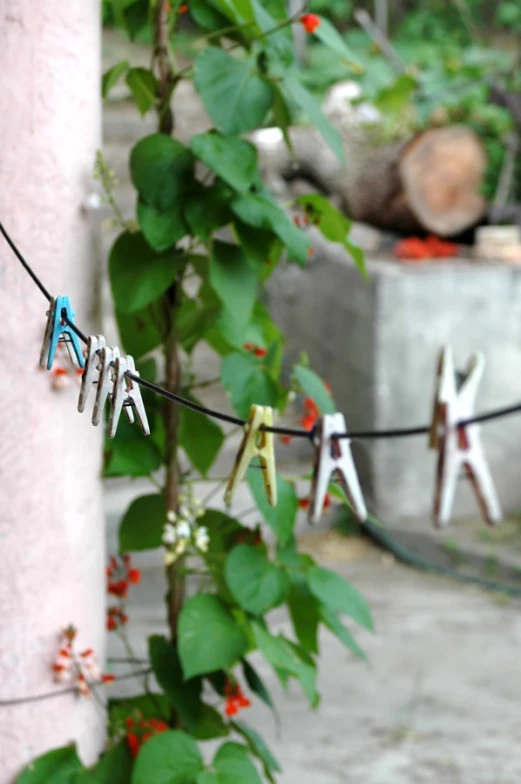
pixel 309 22
pixel 235 699
pixel 62 371
pixel 307 420
pixel 182 531
pixel 259 351
pixel 305 502
pixel 416 249
pixel 120 576
pixel 79 669
pixel 139 730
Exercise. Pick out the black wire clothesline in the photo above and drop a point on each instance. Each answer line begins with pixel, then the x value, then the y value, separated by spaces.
pixel 404 432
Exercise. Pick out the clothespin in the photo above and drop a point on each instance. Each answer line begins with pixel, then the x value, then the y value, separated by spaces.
pixel 91 374
pixel 59 331
pixel 108 356
pixel 459 447
pixel 256 442
pixel 333 456
pixel 126 395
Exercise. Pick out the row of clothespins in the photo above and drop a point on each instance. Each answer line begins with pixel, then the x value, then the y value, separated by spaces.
pixel 459 447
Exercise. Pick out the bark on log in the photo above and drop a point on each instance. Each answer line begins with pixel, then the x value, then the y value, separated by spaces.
pixel 431 182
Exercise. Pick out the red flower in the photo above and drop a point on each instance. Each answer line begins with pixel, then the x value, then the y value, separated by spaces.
pixel 287 439
pixel 108 678
pixel 236 699
pixel 248 346
pixel 260 352
pixel 129 722
pixel 134 575
pixel 310 22
pixel 309 419
pixel 303 503
pixel 182 8
pixel 133 743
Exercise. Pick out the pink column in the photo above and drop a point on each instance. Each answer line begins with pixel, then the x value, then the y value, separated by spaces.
pixel 51 527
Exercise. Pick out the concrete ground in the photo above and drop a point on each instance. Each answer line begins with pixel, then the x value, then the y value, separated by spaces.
pixel 437 702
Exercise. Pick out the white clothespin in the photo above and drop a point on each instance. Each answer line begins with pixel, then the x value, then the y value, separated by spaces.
pixel 126 395
pixel 333 455
pixel 459 447
pixel 91 373
pixel 259 443
pixel 108 356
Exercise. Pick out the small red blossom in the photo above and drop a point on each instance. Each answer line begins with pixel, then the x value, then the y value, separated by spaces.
pixel 182 8
pixel 142 730
pixel 248 347
pixel 286 439
pixel 309 419
pixel 134 576
pixel 236 700
pixel 108 677
pixel 133 743
pixel 311 251
pixel 310 22
pixel 297 220
pixel 303 503
pixel 111 624
pixel 260 352
pixel 129 722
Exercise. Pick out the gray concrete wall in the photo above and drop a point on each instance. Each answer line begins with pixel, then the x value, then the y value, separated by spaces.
pixel 377 340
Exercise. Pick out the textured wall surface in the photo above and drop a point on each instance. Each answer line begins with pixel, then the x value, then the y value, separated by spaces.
pixel 51 532
pixel 377 342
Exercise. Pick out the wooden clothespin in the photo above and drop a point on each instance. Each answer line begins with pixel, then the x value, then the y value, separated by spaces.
pixel 126 395
pixel 59 331
pixel 256 442
pixel 459 446
pixel 108 356
pixel 333 456
pixel 91 373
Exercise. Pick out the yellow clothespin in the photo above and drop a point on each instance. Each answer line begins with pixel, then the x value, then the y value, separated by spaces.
pixel 259 443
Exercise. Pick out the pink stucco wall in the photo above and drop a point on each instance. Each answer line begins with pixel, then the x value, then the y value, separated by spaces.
pixel 51 532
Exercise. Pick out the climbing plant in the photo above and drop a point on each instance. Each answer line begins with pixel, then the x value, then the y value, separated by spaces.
pixel 189 268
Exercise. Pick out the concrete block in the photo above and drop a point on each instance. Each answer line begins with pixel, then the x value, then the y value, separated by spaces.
pixel 377 340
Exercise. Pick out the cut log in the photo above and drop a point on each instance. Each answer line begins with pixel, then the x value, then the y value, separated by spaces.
pixel 430 183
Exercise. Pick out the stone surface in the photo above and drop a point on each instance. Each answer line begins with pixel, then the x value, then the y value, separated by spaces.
pixel 51 527
pixel 377 341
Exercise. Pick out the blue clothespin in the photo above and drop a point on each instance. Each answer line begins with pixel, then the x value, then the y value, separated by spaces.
pixel 59 331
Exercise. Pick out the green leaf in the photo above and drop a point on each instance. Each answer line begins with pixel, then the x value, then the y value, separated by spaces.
pixel 339 596
pixel 258 747
pixel 234 766
pixel 281 518
pixel 207 777
pixel 207 209
pixel 255 583
pixel 247 382
pixel 168 758
pixel 235 96
pixel 142 330
pixel 223 530
pixel 282 115
pixel 59 766
pixel 313 387
pixel 285 656
pixel 115 765
pixel 142 524
pixel 339 630
pixel 193 322
pixel 161 229
pixel 262 213
pixel 200 437
pixel 304 610
pixel 209 637
pixel 256 684
pixel 237 11
pixel 161 170
pixel 184 696
pixel 143 86
pixel 333 224
pixel 131 457
pixel 210 725
pixel 233 280
pixel 231 158
pixel 139 275
pixel 330 36
pixel 111 76
pixel 294 90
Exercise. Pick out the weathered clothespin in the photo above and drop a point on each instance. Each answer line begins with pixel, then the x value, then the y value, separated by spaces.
pixel 108 356
pixel 126 396
pixel 256 442
pixel 59 331
pixel 459 446
pixel 91 374
pixel 333 456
